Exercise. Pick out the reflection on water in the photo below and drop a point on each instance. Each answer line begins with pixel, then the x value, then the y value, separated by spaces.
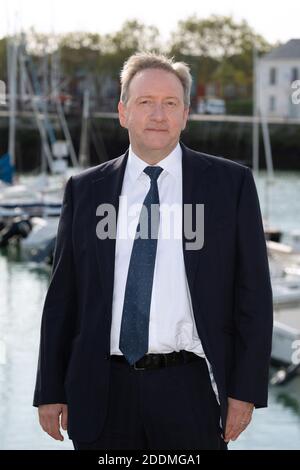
pixel 22 292
pixel 289 402
pixel 275 427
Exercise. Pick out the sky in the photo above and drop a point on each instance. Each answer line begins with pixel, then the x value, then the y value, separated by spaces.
pixel 276 21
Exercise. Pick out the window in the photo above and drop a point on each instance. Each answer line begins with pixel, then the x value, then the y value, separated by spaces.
pixel 272 103
pixel 272 76
pixel 295 74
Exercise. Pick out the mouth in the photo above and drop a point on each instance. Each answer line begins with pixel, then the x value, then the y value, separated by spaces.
pixel 156 130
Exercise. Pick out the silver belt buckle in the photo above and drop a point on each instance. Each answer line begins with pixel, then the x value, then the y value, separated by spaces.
pixel 138 368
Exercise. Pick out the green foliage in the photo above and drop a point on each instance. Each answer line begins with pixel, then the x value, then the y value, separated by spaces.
pixel 240 107
pixel 223 49
pixel 217 36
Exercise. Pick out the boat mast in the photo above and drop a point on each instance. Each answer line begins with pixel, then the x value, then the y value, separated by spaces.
pixel 255 126
pixel 84 147
pixel 12 51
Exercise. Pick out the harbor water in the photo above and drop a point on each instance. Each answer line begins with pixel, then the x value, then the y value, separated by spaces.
pixel 22 291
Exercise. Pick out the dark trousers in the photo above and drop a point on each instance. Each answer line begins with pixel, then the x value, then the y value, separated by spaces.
pixel 169 408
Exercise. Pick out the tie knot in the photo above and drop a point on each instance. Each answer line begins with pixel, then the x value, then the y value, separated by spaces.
pixel 153 172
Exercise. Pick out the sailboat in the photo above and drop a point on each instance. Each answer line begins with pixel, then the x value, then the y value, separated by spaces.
pixel 43 196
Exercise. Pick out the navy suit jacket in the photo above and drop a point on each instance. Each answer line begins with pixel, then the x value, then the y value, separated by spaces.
pixel 228 280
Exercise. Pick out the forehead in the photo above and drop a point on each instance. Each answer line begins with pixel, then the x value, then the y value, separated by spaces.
pixel 152 82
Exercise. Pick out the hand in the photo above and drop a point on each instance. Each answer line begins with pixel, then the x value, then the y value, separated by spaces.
pixel 238 417
pixel 49 419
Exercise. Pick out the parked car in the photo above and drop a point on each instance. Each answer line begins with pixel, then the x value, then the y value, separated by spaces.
pixel 211 106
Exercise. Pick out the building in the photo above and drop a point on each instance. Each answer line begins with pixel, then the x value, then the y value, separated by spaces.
pixel 276 71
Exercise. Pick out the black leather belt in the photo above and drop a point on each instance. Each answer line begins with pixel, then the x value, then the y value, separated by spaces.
pixel 157 361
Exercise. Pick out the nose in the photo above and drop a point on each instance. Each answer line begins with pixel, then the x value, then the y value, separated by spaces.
pixel 158 112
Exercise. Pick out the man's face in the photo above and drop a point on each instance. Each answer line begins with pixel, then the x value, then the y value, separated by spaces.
pixel 155 113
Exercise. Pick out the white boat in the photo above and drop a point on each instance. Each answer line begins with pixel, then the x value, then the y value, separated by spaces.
pixel 286 300
pixel 30 200
pixel 286 336
pixel 39 246
pixel 286 292
pixel 285 283
pixel 293 240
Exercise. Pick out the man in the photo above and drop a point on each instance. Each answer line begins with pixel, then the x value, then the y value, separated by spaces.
pixel 147 340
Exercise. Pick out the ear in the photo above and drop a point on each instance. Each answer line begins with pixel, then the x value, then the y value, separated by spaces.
pixel 122 114
pixel 185 117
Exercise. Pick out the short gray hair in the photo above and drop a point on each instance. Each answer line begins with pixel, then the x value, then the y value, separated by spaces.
pixel 149 60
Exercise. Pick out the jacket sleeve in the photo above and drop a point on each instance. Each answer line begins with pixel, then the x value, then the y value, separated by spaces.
pixel 59 314
pixel 253 313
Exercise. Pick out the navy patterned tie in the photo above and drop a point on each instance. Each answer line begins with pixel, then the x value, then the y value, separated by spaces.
pixel 134 334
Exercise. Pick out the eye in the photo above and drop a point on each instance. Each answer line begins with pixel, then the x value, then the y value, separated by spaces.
pixel 171 103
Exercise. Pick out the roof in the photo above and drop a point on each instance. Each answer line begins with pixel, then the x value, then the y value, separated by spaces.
pixel 289 50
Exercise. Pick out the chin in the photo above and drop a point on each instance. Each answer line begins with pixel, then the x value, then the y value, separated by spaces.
pixel 158 144
pixel 157 148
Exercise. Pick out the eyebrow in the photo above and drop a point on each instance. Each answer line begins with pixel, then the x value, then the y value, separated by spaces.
pixel 152 96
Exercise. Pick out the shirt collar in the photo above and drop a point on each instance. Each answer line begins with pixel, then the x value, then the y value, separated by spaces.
pixel 171 163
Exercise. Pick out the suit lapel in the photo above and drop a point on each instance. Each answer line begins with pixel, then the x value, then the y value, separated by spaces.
pixel 106 190
pixel 196 189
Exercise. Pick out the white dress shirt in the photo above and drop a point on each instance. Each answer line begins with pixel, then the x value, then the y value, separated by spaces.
pixel 171 324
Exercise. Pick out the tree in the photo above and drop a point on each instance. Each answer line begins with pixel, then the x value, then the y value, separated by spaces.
pixel 222 48
pixel 216 36
pixel 132 37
